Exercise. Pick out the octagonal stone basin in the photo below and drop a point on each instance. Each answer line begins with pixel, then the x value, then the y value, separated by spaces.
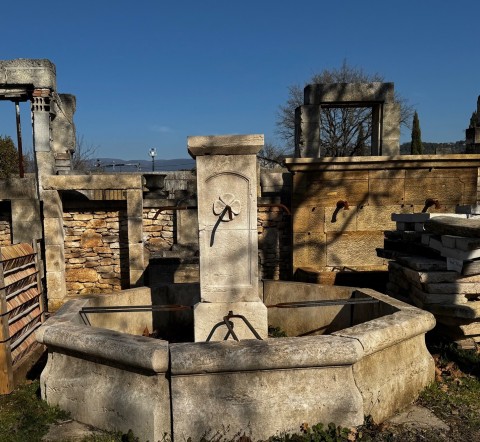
pixel 353 361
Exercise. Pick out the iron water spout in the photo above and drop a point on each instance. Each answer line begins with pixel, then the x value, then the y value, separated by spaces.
pixel 341 204
pixel 429 202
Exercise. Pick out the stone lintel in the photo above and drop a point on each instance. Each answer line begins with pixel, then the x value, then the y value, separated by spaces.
pixel 429 162
pixel 225 145
pixel 346 93
pixel 92 182
pixel 39 73
pixel 18 188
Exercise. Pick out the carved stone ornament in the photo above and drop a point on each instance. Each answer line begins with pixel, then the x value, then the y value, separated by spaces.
pixel 227 207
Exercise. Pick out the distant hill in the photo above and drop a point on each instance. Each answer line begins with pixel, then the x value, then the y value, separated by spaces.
pixel 119 165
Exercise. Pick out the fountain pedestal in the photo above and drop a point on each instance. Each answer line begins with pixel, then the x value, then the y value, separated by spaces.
pixel 228 238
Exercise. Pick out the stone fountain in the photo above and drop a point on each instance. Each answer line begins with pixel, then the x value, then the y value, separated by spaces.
pixel 351 353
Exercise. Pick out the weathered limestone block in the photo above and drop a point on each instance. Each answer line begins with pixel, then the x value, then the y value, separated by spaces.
pixel 344 92
pixel 135 230
pixel 372 217
pixel 328 193
pixel 54 258
pixel 136 256
pixel 62 126
pixel 237 382
pixel 309 249
pixel 39 72
pixel 307 126
pixel 70 382
pixel 187 227
pixel 309 219
pixel 52 204
pixel 93 182
pixel 26 224
pixel 386 191
pixel 428 299
pixel 406 369
pixel 354 249
pixel 134 203
pixel 464 311
pixel 56 289
pixel 53 231
pixel 136 277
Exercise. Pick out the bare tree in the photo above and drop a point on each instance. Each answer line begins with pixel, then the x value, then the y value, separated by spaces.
pixel 339 127
pixel 83 155
pixel 271 155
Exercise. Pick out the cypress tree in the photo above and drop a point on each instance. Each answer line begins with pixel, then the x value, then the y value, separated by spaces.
pixel 360 144
pixel 8 158
pixel 473 120
pixel 416 147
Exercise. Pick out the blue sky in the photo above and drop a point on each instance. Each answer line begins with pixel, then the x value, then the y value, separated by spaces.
pixel 150 73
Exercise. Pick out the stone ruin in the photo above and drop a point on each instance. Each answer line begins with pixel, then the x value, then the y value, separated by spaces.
pixel 96 357
pixel 380 97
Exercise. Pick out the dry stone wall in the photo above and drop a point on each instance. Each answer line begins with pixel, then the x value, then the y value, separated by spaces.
pixel 274 243
pixel 5 231
pixel 158 229
pixel 96 251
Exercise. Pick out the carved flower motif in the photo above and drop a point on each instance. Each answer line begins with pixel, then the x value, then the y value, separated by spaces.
pixel 227 200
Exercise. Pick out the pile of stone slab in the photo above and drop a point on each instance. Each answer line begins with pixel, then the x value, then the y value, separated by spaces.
pixel 435 265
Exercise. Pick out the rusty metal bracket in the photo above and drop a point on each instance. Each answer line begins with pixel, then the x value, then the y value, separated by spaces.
pixel 229 324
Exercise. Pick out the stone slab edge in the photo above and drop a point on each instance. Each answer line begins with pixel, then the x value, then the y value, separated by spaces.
pixel 271 354
pixel 138 352
pixel 225 144
pixel 383 332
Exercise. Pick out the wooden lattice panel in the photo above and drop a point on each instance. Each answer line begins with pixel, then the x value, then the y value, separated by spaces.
pixel 21 308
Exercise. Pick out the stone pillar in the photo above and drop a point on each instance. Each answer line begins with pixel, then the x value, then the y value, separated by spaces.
pixel 54 237
pixel 307 131
pixel 63 132
pixel 44 160
pixel 228 238
pixel 376 141
pixel 390 129
pixel 136 262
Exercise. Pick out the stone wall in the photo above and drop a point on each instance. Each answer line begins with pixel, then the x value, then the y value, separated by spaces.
pixel 274 243
pixel 329 236
pixel 158 229
pixel 96 251
pixel 5 230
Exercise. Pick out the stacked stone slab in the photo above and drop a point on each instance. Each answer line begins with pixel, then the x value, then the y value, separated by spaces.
pixel 437 271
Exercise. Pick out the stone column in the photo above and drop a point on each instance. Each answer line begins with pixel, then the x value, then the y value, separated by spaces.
pixel 391 129
pixel 136 263
pixel 228 238
pixel 54 238
pixel 44 160
pixel 307 132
